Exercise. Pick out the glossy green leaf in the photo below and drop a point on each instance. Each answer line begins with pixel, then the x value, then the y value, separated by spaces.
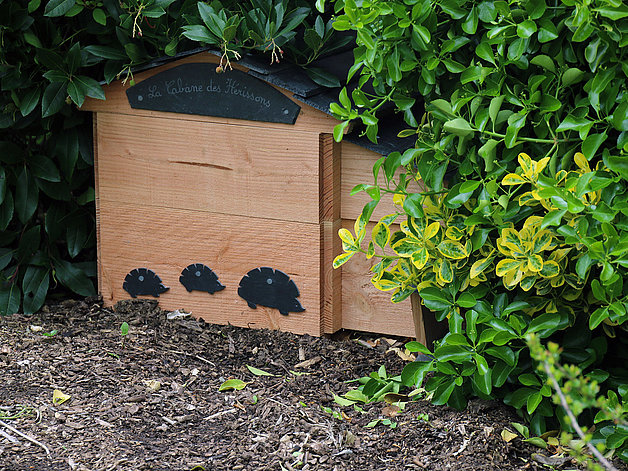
pixel 26 196
pixel 58 7
pixel 10 298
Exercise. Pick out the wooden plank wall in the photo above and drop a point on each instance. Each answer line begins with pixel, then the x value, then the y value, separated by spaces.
pixel 178 189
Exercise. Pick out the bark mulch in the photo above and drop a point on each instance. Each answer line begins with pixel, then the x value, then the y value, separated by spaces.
pixel 150 401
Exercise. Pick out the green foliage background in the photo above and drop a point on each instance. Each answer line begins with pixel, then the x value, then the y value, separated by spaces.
pixel 53 54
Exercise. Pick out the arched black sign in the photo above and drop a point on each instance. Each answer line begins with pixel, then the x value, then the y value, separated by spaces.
pixel 198 89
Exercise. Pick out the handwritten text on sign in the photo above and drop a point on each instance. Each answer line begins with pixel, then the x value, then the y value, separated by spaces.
pixel 198 89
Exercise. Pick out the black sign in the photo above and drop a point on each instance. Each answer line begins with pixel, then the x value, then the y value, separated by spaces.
pixel 198 89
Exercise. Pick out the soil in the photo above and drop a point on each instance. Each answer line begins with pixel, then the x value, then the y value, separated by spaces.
pixel 150 400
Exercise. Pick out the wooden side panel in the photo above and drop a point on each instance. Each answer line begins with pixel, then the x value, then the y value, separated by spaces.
pixel 166 241
pixel 331 280
pixel 364 307
pixel 309 118
pixel 357 167
pixel 241 170
pixel 97 196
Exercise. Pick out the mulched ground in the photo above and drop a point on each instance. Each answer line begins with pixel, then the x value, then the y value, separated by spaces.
pixel 153 403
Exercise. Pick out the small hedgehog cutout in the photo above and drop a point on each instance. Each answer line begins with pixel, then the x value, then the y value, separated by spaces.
pixel 142 281
pixel 200 277
pixel 265 286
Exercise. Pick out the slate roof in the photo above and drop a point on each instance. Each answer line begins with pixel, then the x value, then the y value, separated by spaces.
pixel 294 79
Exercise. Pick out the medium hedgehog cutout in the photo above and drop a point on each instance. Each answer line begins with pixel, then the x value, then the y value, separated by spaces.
pixel 271 288
pixel 142 281
pixel 199 277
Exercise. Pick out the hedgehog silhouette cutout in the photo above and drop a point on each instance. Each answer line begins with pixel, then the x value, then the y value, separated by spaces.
pixel 143 282
pixel 271 288
pixel 199 277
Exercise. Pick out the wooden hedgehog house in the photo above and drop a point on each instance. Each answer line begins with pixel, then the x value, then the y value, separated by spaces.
pixel 223 193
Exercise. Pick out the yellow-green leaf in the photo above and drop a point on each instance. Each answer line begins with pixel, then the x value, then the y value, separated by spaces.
pixel 359 227
pixel 371 250
pixel 236 384
pixel 526 164
pixel 479 266
pixel 529 198
pixel 346 236
pixel 381 234
pixel 258 372
pixel 541 241
pixel 513 179
pixel 582 162
pixel 550 269
pixel 384 284
pixel 510 239
pixel 59 397
pixel 454 233
pixel 420 257
pixel 512 278
pixel 540 165
pixel 535 263
pixel 407 246
pixel 431 230
pixel 527 283
pixel 507 265
pixel 452 249
pixel 445 271
pixel 342 258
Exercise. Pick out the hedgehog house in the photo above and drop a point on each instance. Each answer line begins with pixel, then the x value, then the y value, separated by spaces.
pixel 227 191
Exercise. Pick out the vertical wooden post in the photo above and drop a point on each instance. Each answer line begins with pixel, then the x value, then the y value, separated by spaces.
pixel 330 223
pixel 97 202
pixel 426 328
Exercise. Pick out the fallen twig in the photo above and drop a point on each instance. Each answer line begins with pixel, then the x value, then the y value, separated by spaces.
pixel 574 422
pixel 9 437
pixel 23 435
pixel 198 357
pixel 218 414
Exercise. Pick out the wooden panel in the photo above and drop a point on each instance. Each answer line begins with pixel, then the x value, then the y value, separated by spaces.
pixel 331 280
pixel 309 118
pixel 331 301
pixel 364 307
pixel 97 193
pixel 240 170
pixel 357 167
pixel 167 241
pixel 330 168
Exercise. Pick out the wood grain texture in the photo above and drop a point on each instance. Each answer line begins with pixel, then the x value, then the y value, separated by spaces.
pixel 331 301
pixel 330 169
pixel 97 196
pixel 310 119
pixel 166 241
pixel 239 170
pixel 357 168
pixel 331 280
pixel 366 308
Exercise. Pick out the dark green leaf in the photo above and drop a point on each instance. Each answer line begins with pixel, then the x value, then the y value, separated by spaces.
pixel 74 278
pixel 10 297
pixel 35 287
pixel 53 98
pixel 322 77
pixel 26 196
pixel 29 101
pixel 58 7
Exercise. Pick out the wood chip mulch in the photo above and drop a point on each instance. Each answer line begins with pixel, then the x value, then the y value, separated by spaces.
pixel 150 400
